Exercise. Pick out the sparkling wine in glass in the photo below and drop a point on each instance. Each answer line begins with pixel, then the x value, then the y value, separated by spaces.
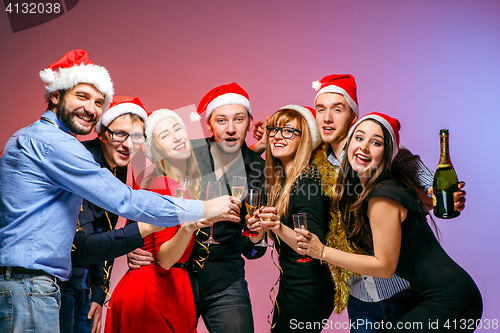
pixel 182 186
pixel 264 202
pixel 300 222
pixel 251 203
pixel 213 191
pixel 238 186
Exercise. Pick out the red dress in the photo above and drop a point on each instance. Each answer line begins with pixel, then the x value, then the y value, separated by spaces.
pixel 152 299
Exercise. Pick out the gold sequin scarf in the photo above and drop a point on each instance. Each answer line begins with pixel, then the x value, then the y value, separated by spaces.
pixel 337 236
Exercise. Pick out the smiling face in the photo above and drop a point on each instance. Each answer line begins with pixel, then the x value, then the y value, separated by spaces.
pixel 333 117
pixel 366 149
pixel 173 139
pixel 120 153
pixel 79 108
pixel 229 125
pixel 285 149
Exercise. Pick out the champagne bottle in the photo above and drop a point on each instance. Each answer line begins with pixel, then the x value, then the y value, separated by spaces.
pixel 445 183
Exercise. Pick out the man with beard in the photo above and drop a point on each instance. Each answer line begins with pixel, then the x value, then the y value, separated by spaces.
pixel 44 175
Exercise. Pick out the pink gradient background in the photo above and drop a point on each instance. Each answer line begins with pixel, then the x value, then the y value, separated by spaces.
pixel 432 64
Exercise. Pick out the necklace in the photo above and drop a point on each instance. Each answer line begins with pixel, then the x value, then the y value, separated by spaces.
pixel 49 121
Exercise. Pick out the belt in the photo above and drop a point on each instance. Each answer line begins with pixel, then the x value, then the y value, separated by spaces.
pixel 180 265
pixel 176 265
pixel 22 270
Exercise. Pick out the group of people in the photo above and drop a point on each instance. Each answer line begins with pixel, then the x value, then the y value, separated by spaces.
pixel 365 197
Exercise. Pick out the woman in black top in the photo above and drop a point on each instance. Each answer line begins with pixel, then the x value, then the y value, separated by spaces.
pixel 387 221
pixel 305 298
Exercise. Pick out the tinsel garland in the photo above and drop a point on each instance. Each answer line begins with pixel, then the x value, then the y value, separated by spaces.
pixel 337 236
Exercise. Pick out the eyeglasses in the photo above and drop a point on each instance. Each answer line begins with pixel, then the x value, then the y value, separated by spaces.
pixel 122 136
pixel 286 132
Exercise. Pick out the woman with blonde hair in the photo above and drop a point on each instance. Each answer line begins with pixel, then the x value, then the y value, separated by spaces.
pixel 159 298
pixel 304 301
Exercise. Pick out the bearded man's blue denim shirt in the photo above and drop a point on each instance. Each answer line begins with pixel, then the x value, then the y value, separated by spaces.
pixel 44 175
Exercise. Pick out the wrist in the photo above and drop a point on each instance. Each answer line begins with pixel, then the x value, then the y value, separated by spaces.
pixel 189 227
pixel 321 256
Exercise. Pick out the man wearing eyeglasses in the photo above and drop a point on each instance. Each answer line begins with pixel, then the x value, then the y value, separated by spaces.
pixel 45 173
pixel 120 134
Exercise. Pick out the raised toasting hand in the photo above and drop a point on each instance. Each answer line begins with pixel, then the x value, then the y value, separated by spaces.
pixel 225 208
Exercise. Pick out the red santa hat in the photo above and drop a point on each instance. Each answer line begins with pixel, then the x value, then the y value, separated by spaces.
pixel 310 116
pixel 223 95
pixel 342 84
pixel 391 124
pixel 153 120
pixel 74 68
pixel 120 106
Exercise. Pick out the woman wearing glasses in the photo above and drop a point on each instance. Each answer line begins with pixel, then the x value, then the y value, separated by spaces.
pixel 159 298
pixel 306 290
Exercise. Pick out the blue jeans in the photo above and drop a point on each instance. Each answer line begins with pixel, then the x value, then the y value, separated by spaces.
pixel 28 303
pixel 227 311
pixel 75 306
pixel 372 316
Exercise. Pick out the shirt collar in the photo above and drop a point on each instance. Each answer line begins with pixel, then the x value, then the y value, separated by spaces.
pixel 244 149
pixel 53 117
pixel 333 159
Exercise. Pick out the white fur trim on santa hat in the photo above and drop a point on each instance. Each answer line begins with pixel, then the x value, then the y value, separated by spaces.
pixel 226 99
pixel 338 90
pixel 385 123
pixel 118 110
pixel 311 123
pixel 153 120
pixel 67 78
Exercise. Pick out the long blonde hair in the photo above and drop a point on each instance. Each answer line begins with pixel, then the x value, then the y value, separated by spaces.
pixel 279 196
pixel 163 168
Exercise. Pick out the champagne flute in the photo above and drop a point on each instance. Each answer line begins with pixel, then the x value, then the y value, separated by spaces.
pixel 264 202
pixel 251 203
pixel 213 191
pixel 300 222
pixel 182 186
pixel 238 186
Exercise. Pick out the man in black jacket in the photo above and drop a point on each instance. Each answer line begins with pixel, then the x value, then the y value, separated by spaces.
pixel 120 135
pixel 217 270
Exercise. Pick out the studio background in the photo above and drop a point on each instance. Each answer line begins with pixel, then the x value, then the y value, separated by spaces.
pixel 431 64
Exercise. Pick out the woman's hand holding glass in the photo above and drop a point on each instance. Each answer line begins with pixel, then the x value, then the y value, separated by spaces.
pixel 265 218
pixel 308 244
pixel 254 227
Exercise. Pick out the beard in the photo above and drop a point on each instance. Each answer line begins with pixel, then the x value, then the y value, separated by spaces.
pixel 67 118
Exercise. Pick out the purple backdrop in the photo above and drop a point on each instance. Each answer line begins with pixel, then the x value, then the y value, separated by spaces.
pixel 431 64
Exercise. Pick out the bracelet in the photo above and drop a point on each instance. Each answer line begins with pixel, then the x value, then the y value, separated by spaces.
pixel 321 259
